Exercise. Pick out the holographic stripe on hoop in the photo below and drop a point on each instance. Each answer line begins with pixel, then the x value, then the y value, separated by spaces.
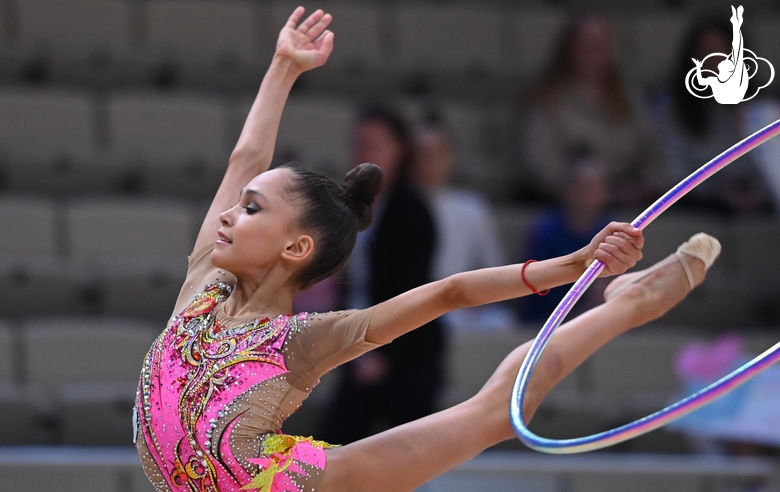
pixel 672 412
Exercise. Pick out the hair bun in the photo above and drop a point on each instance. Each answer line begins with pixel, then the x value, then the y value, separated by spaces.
pixel 361 185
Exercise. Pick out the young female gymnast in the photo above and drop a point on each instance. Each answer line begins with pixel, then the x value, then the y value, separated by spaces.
pixel 233 363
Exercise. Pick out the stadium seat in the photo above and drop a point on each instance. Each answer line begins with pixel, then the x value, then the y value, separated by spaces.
pixel 23 411
pixel 212 44
pixel 75 350
pixel 473 357
pixel 79 41
pixel 106 228
pixel 30 224
pixel 166 127
pixel 96 414
pixel 37 286
pixel 87 476
pixel 45 120
pixel 139 481
pixel 7 354
pixel 755 243
pixel 718 305
pixel 176 141
pixel 636 371
pixel 141 288
pixel 315 132
pixel 636 482
pixel 456 481
pixel 10 59
pixel 431 38
pixel 48 143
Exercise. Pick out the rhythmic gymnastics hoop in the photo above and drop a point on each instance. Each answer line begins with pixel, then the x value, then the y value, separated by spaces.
pixel 672 412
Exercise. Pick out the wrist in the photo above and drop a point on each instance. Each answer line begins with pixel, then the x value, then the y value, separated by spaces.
pixel 576 263
pixel 286 67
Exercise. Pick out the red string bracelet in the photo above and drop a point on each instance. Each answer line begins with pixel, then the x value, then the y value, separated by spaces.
pixel 525 280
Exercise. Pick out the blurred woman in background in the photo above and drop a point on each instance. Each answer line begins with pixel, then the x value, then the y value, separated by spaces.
pixel 400 382
pixel 581 102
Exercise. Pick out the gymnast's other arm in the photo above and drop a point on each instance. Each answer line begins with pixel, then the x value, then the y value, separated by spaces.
pixel 298 50
pixel 618 246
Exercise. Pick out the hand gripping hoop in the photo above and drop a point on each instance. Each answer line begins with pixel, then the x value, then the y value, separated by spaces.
pixel 672 412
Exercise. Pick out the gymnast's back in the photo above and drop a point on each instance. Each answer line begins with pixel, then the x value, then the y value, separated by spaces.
pixel 214 388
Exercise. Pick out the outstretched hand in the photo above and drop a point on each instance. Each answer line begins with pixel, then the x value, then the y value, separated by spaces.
pixel 618 246
pixel 309 44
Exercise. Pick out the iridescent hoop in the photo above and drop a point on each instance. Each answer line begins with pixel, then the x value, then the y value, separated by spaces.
pixel 672 412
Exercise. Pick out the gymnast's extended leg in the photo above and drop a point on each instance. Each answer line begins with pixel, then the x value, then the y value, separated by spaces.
pixel 404 458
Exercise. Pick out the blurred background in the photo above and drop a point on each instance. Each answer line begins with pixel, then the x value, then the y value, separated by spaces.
pixel 548 118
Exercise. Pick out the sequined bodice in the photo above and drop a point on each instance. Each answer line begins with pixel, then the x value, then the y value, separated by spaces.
pixel 210 392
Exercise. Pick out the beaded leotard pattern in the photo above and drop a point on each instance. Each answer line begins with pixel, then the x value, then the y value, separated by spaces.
pixel 214 390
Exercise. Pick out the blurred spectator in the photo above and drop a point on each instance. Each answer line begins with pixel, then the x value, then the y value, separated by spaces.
pixel 694 130
pixel 467 233
pixel 569 225
pixel 399 382
pixel 582 102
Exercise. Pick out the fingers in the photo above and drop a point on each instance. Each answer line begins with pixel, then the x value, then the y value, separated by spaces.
pixel 318 28
pixel 313 19
pixel 620 248
pixel 295 17
pixel 623 227
pixel 325 42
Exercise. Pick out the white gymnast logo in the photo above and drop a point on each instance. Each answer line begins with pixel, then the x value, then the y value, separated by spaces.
pixel 735 70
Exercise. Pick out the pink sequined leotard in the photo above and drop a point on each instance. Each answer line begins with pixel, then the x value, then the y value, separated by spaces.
pixel 215 389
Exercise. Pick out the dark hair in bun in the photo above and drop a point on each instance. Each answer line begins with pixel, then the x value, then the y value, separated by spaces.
pixel 333 215
pixel 361 185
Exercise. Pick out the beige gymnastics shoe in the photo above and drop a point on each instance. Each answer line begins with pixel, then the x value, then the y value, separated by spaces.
pixel 702 246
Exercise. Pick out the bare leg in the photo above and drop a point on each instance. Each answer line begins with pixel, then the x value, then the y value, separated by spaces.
pixel 403 458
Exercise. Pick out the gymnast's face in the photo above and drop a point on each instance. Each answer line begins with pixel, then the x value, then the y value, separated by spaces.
pixel 261 231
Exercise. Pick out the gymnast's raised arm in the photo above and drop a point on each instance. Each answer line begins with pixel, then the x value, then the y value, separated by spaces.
pixel 618 246
pixel 299 48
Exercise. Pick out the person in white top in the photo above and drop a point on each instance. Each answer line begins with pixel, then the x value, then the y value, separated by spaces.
pixel 466 229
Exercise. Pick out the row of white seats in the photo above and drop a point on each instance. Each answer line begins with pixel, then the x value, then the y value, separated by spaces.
pixel 71 142
pixel 71 380
pixel 82 371
pixel 115 255
pixel 122 39
pixel 106 228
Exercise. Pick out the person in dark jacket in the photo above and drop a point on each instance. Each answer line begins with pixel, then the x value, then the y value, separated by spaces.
pixel 399 382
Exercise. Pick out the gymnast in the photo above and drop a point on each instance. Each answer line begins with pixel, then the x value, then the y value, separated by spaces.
pixel 234 363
